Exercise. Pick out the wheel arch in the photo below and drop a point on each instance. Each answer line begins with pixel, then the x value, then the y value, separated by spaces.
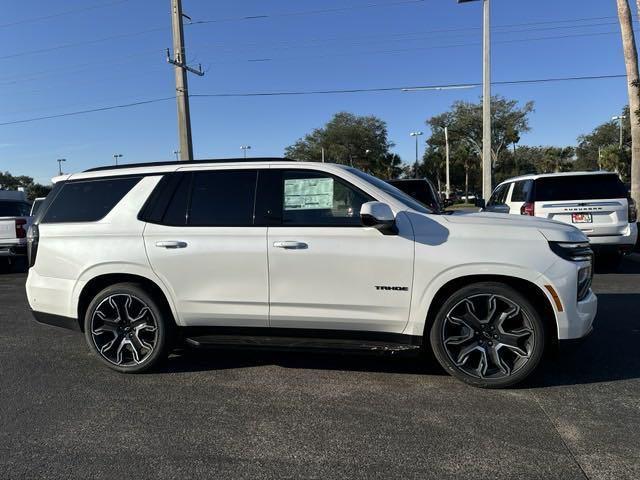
pixel 528 289
pixel 100 282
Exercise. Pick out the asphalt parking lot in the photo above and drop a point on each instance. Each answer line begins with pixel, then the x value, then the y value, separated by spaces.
pixel 278 415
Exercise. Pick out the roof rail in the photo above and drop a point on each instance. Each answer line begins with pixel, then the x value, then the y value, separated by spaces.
pixel 191 162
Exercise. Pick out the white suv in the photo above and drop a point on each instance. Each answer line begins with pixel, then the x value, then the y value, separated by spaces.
pixel 289 254
pixel 598 203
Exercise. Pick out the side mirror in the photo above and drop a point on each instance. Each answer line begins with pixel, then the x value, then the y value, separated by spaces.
pixel 379 216
pixel 481 203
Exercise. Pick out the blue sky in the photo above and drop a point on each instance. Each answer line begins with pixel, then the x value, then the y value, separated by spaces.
pixel 420 43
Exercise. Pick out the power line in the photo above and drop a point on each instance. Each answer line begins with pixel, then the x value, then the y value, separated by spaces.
pixel 309 12
pixel 79 44
pixel 61 14
pixel 92 110
pixel 450 86
pixel 395 37
pixel 411 49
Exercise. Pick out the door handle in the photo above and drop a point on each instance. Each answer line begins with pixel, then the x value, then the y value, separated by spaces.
pixel 171 244
pixel 291 245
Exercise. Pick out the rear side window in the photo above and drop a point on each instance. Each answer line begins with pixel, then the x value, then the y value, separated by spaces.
pixel 14 209
pixel 580 187
pixel 222 198
pixel 88 201
pixel 521 191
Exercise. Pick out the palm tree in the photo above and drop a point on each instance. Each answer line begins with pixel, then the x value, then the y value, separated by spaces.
pixel 633 85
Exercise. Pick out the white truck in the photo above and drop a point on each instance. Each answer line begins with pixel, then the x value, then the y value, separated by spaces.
pixel 15 221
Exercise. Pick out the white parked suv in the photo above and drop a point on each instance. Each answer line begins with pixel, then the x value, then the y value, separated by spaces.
pixel 288 254
pixel 597 203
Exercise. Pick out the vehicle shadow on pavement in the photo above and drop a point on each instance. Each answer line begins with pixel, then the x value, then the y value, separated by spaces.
pixel 610 354
pixel 221 359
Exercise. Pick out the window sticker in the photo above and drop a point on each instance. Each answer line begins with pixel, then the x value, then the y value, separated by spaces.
pixel 308 194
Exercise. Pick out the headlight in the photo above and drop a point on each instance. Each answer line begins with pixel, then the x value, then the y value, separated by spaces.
pixel 574 252
pixel 579 253
pixel 585 277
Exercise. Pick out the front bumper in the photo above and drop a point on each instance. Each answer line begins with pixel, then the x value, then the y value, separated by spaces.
pixel 575 319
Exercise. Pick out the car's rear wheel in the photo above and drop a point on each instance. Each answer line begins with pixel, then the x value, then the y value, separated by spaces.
pixel 126 329
pixel 488 335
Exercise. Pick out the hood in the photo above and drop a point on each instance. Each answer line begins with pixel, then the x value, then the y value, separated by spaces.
pixel 552 230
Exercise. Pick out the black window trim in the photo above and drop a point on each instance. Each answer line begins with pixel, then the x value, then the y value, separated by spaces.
pixel 161 189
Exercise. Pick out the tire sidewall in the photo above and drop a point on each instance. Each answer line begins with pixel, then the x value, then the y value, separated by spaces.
pixel 513 295
pixel 135 290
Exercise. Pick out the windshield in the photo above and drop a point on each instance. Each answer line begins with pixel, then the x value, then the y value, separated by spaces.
pixel 14 209
pixel 391 190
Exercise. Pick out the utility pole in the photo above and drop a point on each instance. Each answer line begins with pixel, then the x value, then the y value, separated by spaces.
pixel 620 119
pixel 415 167
pixel 487 164
pixel 179 60
pixel 60 160
pixel 446 141
pixel 244 148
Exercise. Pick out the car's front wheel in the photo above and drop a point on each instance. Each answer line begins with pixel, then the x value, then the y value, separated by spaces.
pixel 126 329
pixel 488 335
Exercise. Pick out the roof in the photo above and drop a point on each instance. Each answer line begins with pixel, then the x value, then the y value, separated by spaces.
pixel 184 163
pixel 535 176
pixel 159 168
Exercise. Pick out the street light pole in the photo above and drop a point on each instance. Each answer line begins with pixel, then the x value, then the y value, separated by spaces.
pixel 244 148
pixel 446 141
pixel 486 99
pixel 415 168
pixel 116 156
pixel 60 160
pixel 620 118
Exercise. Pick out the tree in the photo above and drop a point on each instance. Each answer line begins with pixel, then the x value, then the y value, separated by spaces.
pixel 32 189
pixel 464 122
pixel 603 136
pixel 633 85
pixel 613 159
pixel 348 139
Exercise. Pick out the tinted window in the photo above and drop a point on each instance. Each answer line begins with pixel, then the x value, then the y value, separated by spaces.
pixel 317 199
pixel 579 187
pixel 499 195
pixel 521 191
pixel 222 198
pixel 176 212
pixel 88 201
pixel 14 209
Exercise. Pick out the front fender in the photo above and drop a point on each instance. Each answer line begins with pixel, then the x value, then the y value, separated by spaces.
pixel 422 299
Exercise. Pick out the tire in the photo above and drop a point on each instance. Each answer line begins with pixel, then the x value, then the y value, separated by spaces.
pixel 488 335
pixel 126 329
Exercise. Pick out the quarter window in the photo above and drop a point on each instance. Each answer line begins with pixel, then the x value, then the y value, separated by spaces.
pixel 88 201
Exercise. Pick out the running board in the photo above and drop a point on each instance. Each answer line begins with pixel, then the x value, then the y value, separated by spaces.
pixel 296 343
